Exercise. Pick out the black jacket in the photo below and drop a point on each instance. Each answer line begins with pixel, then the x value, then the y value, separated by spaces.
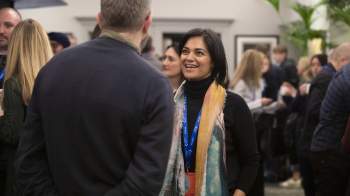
pixel 242 158
pixel 334 113
pixel 317 93
pixel 10 124
pixel 290 72
pixel 273 81
pixel 99 123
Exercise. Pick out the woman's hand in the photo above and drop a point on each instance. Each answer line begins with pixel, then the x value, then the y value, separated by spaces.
pixel 239 193
pixel 304 88
pixel 266 101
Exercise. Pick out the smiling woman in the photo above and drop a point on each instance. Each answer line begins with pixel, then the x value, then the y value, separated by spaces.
pixel 206 128
pixel 197 64
pixel 201 49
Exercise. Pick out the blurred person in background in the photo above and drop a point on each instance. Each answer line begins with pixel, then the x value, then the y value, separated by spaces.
pixel 316 64
pixel 247 81
pixel 72 39
pixel 59 41
pixel 272 77
pixel 287 65
pixel 249 84
pixel 316 90
pixel 171 65
pixel 304 70
pixel 96 32
pixel 29 50
pixel 148 53
pixel 295 115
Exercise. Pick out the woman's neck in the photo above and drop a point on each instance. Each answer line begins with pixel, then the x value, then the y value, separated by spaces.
pixel 197 89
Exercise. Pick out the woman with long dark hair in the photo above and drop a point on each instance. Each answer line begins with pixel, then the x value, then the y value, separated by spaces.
pixel 214 149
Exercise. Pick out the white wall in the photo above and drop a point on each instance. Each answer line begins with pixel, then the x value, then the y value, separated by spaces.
pixel 251 17
pixel 62 18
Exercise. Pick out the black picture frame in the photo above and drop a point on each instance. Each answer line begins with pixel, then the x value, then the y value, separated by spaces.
pixel 245 42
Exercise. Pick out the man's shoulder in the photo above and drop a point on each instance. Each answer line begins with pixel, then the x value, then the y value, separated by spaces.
pixel 342 76
pixel 346 72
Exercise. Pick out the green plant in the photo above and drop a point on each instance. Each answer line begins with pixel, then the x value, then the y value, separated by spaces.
pixel 341 14
pixel 300 33
pixel 275 4
pixel 305 13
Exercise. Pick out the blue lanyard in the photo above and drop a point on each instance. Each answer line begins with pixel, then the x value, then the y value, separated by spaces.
pixel 188 147
pixel 2 74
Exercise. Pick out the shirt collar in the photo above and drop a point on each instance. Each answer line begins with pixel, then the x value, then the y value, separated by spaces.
pixel 116 36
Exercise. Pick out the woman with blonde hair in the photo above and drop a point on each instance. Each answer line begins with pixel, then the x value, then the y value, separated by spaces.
pixel 247 81
pixel 29 50
pixel 304 69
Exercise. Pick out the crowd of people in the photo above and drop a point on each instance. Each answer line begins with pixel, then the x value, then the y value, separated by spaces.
pixel 107 117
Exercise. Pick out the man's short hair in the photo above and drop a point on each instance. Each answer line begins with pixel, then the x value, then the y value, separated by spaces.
pixel 13 9
pixel 124 15
pixel 341 52
pixel 280 49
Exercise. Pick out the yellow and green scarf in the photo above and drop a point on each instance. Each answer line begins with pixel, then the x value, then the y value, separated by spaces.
pixel 210 152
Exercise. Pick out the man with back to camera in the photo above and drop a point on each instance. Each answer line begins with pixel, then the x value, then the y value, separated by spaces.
pixel 100 118
pixel 9 18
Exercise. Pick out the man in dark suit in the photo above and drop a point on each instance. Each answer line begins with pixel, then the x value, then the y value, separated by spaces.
pixel 100 118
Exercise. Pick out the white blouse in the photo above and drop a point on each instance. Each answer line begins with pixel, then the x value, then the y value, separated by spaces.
pixel 251 96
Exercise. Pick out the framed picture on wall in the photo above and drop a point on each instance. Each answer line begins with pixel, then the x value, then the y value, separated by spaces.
pixel 171 38
pixel 245 42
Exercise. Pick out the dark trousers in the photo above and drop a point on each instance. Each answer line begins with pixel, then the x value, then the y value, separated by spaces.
pixel 307 175
pixel 2 179
pixel 258 186
pixel 332 173
pixel 3 171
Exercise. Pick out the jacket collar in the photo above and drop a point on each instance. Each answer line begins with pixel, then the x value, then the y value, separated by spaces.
pixel 116 36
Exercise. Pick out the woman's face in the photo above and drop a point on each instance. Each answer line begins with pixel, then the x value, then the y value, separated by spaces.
pixel 315 66
pixel 196 60
pixel 171 63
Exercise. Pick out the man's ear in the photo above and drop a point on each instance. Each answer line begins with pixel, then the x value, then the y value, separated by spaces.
pixel 147 23
pixel 99 20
